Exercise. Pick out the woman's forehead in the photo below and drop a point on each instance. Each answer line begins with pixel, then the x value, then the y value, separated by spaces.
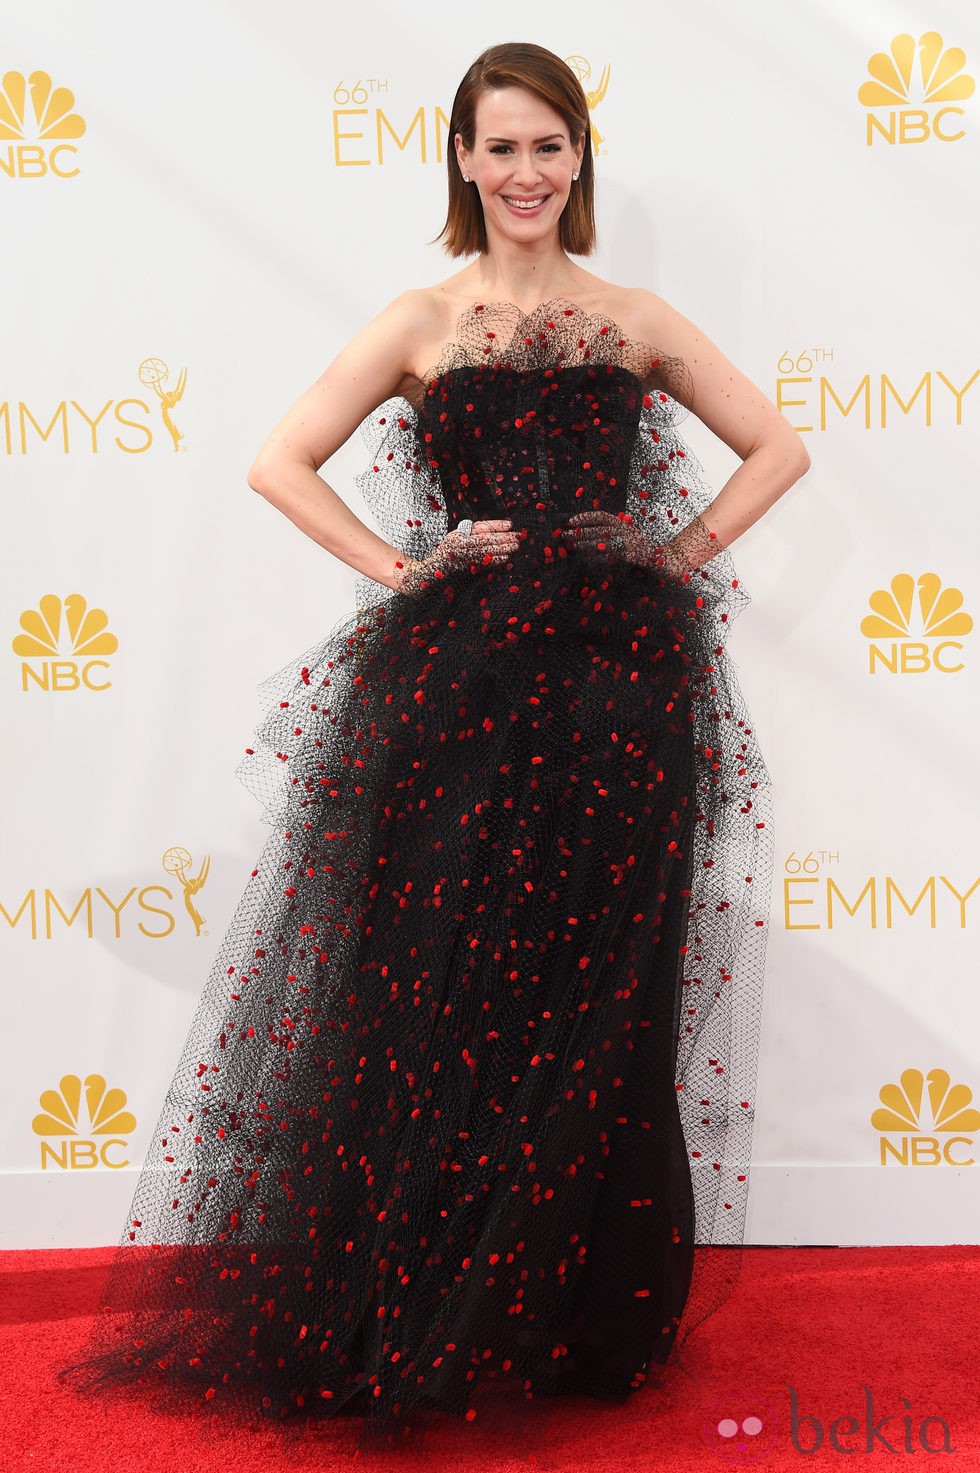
pixel 514 112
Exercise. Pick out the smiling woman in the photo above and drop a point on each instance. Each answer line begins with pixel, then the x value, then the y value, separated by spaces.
pixel 469 1094
pixel 531 144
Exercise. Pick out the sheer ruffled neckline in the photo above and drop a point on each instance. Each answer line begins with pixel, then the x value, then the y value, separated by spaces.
pixel 498 332
pixel 550 307
pixel 549 310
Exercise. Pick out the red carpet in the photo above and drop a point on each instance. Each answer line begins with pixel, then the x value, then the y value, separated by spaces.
pixel 871 1349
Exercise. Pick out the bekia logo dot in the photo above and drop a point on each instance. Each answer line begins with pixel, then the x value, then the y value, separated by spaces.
pixel 741 1427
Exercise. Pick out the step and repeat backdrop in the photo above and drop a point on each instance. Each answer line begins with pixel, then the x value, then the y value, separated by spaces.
pixel 199 207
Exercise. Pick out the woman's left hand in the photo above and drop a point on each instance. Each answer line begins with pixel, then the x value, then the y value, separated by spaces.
pixel 606 533
pixel 612 537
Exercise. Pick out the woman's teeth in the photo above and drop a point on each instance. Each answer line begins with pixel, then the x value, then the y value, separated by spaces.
pixel 525 204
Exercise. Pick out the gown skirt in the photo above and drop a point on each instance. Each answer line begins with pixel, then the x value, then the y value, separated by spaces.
pixel 468 1095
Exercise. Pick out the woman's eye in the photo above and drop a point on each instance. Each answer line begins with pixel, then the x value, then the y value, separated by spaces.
pixel 505 148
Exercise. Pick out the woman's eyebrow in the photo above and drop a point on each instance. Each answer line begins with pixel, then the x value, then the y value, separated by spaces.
pixel 550 136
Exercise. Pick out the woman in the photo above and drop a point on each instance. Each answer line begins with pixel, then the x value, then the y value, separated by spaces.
pixel 471 1076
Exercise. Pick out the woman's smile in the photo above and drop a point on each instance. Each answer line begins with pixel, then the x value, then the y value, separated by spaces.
pixel 525 204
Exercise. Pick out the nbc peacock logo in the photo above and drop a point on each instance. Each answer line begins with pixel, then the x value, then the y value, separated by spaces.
pixel 83 1144
pixel 909 104
pixel 914 1135
pixel 37 120
pixel 60 628
pixel 921 623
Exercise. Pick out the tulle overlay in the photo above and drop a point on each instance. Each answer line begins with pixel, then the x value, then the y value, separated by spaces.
pixel 470 1088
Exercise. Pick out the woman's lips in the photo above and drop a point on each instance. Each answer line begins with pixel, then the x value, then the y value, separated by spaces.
pixel 511 201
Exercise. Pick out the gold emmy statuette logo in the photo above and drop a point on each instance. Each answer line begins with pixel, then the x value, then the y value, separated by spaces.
pixel 593 96
pixel 951 1112
pixel 65 627
pixel 154 373
pixel 35 145
pixel 917 108
pixel 941 617
pixel 177 861
pixel 107 1117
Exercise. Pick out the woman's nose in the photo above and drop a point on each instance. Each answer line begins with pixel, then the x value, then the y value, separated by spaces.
pixel 525 169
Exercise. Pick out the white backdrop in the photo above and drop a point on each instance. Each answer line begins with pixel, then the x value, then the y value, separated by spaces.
pixel 199 207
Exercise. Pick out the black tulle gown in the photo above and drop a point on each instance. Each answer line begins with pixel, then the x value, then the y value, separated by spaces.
pixel 469 1092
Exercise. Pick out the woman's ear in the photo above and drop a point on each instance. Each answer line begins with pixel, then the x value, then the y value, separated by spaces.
pixel 462 155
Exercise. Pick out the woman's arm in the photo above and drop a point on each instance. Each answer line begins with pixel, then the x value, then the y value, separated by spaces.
pixel 773 455
pixel 369 370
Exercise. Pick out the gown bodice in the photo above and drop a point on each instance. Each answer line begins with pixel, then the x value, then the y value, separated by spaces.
pixel 506 441
pixel 534 417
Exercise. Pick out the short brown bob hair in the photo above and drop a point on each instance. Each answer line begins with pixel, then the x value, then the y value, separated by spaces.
pixel 518 64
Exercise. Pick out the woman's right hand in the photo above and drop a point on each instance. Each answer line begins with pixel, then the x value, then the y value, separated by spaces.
pixel 493 538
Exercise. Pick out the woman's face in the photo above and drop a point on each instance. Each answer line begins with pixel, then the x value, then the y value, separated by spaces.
pixel 522 163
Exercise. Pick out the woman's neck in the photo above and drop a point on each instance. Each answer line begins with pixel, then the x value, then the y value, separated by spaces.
pixel 524 277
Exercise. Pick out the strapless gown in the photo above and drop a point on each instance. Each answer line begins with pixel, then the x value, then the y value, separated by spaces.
pixel 468 1096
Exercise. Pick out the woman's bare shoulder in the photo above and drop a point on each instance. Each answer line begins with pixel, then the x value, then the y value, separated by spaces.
pixel 641 314
pixel 411 312
pixel 660 324
pixel 422 319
